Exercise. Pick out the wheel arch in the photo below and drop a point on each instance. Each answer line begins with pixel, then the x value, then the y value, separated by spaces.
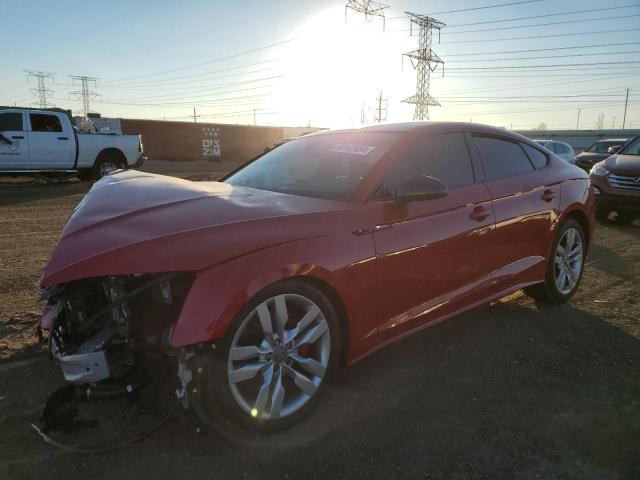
pixel 116 152
pixel 580 217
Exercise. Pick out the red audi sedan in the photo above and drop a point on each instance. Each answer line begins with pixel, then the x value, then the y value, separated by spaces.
pixel 312 256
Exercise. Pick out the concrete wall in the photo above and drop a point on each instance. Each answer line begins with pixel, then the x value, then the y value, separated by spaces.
pixel 206 141
pixel 579 139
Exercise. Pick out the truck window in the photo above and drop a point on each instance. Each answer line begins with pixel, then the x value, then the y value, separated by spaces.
pixel 44 123
pixel 10 122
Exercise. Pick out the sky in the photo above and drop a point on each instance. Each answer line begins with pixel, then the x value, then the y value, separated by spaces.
pixel 299 62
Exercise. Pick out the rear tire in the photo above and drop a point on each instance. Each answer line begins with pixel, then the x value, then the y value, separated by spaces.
pixel 293 371
pixel 105 164
pixel 565 266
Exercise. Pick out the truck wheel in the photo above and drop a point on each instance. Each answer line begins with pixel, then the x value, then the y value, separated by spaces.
pixel 105 164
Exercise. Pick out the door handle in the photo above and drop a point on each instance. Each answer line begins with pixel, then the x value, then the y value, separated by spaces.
pixel 548 195
pixel 18 137
pixel 63 138
pixel 479 213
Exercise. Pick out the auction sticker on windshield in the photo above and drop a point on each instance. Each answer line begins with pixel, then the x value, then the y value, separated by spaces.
pixel 352 148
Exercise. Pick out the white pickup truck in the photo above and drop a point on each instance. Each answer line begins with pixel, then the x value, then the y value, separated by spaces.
pixel 43 142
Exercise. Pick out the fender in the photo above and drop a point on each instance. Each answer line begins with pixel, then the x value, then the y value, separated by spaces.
pixel 340 261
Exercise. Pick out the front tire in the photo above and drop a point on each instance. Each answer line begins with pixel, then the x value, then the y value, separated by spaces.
pixel 272 365
pixel 565 267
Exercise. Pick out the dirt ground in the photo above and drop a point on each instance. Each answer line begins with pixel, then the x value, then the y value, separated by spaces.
pixel 510 390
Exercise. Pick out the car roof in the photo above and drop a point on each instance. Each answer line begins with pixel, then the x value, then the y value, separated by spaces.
pixel 613 140
pixel 430 126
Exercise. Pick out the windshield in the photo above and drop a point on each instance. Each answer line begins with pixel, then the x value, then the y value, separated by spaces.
pixel 602 147
pixel 632 148
pixel 329 166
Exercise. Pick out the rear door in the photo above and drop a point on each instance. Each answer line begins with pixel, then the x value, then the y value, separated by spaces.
pixel 50 147
pixel 525 204
pixel 14 149
pixel 431 254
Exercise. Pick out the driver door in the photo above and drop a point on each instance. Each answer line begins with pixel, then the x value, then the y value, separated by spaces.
pixel 432 254
pixel 14 149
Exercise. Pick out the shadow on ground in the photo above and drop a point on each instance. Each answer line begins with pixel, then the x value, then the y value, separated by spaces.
pixel 512 390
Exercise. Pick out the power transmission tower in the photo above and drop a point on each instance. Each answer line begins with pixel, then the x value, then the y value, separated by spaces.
pixel 369 8
pixel 84 93
pixel 424 61
pixel 378 117
pixel 41 91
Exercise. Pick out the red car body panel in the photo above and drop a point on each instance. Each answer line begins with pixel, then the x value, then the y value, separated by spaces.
pixel 391 270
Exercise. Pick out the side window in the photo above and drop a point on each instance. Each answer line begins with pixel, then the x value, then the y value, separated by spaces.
pixel 561 149
pixel 538 158
pixel 445 157
pixel 10 122
pixel 44 123
pixel 502 158
pixel 552 146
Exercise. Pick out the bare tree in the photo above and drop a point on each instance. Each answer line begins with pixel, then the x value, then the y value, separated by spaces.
pixel 542 127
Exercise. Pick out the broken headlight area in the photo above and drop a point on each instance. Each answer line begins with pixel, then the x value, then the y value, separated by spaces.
pixel 108 327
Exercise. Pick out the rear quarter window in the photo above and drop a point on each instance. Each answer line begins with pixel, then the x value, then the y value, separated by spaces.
pixel 539 159
pixel 502 158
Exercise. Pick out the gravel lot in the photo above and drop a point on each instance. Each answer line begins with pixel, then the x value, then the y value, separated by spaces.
pixel 510 390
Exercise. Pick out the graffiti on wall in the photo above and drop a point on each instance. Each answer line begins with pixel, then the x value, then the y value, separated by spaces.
pixel 210 142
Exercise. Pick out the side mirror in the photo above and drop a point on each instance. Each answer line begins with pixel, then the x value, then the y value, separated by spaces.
pixel 613 149
pixel 419 187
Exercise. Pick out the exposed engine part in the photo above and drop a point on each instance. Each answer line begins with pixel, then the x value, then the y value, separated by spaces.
pixel 104 327
pixel 185 375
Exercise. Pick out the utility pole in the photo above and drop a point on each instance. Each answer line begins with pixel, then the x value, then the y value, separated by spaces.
pixel 254 116
pixel 379 118
pixel 626 101
pixel 84 93
pixel 369 8
pixel 613 124
pixel 41 91
pixel 424 61
pixel 578 121
pixel 194 115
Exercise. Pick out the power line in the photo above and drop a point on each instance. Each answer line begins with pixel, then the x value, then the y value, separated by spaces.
pixel 559 65
pixel 369 8
pixel 554 35
pixel 191 75
pixel 542 49
pixel 208 62
pixel 477 8
pixel 544 24
pixel 574 12
pixel 544 57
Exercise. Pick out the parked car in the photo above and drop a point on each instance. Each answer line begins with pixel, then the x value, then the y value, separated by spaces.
pixel 562 149
pixel 616 184
pixel 598 151
pixel 39 141
pixel 315 254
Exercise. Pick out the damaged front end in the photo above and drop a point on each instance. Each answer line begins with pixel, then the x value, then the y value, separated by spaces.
pixel 106 329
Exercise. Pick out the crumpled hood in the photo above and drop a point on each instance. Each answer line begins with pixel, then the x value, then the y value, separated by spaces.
pixel 623 164
pixel 138 222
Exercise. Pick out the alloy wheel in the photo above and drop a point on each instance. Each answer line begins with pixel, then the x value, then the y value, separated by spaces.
pixel 568 261
pixel 278 356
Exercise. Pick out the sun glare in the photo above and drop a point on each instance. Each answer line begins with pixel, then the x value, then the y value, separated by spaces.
pixel 334 68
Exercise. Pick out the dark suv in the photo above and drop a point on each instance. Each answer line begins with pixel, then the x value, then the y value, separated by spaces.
pixel 598 151
pixel 616 183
